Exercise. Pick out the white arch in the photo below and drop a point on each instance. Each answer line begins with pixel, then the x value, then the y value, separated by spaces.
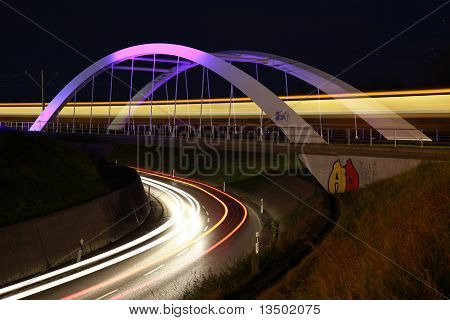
pixel 374 113
pixel 294 127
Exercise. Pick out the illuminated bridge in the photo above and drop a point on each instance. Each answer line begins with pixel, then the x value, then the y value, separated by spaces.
pixel 333 109
pixel 332 129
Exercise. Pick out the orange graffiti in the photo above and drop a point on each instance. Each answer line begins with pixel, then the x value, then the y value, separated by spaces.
pixel 343 178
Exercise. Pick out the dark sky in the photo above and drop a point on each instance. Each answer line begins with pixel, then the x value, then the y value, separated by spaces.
pixel 329 35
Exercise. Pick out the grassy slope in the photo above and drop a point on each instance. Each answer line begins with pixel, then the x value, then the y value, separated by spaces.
pixel 39 175
pixel 405 218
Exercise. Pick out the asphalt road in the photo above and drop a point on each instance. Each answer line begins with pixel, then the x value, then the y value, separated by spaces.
pixel 204 230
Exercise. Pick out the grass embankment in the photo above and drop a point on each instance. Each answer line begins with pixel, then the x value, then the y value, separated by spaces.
pixel 39 175
pixel 404 219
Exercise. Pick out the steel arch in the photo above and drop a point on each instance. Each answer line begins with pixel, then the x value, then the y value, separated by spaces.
pixel 292 124
pixel 374 113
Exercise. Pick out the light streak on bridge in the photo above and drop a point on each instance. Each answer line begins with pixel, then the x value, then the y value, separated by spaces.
pixel 408 103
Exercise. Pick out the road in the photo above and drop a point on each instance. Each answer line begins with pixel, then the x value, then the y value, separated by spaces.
pixel 204 230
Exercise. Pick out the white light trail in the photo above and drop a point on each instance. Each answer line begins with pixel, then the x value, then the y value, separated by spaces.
pixel 181 202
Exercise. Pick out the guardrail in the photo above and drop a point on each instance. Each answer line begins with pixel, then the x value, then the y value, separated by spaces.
pixel 332 135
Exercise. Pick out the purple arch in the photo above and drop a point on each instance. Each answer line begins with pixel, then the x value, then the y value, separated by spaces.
pixel 294 127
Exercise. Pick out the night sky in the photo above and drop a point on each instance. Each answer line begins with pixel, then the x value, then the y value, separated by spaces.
pixel 329 35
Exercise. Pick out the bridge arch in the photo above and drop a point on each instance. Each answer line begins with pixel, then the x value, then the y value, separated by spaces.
pixel 294 127
pixel 378 116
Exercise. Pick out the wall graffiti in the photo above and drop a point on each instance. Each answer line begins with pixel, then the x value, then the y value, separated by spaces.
pixel 343 178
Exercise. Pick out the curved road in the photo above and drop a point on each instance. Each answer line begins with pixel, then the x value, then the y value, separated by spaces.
pixel 204 230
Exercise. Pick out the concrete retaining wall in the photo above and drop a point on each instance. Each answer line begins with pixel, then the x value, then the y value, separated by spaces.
pixel 341 173
pixel 34 246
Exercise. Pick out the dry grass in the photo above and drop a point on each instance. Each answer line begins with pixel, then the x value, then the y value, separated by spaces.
pixel 302 225
pixel 405 218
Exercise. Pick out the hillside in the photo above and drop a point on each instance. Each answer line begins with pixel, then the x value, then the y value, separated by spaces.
pixel 39 175
pixel 392 243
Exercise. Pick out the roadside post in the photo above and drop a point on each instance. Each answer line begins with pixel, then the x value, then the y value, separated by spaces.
pixel 80 251
pixel 257 251
pixel 262 205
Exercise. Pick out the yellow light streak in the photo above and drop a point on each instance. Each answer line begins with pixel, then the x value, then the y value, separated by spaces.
pixel 408 103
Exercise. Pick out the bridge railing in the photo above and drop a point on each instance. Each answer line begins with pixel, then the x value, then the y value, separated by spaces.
pixel 273 133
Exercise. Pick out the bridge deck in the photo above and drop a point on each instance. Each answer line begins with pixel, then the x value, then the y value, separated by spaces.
pixel 251 145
